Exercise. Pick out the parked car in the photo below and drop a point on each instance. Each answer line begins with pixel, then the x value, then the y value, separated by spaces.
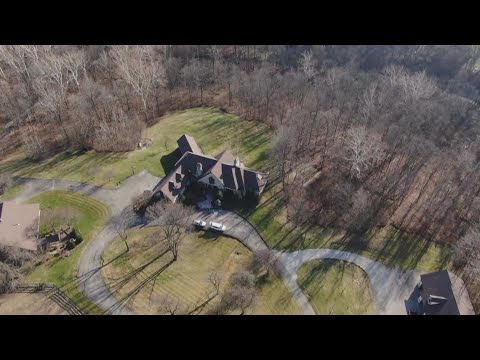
pixel 217 226
pixel 199 223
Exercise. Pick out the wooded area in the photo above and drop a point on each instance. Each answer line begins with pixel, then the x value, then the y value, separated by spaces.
pixel 392 131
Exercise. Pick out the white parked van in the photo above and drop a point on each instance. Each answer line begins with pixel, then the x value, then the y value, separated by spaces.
pixel 217 226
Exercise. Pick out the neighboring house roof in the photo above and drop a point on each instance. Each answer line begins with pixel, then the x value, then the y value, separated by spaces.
pixel 228 170
pixel 441 297
pixel 19 224
pixel 188 143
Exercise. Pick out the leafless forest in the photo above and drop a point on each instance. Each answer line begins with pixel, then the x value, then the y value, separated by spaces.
pixel 394 130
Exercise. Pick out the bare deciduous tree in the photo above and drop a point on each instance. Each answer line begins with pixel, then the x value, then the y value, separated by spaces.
pixel 364 151
pixel 215 279
pixel 33 146
pixel 174 220
pixel 138 68
pixel 51 99
pixel 267 259
pixel 75 63
pixel 308 64
pixel 467 249
pixel 14 256
pixel 16 57
pixel 123 222
pixel 242 293
pixel 10 278
pixel 169 305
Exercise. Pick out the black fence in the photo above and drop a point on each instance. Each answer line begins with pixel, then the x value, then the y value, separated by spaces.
pixel 54 294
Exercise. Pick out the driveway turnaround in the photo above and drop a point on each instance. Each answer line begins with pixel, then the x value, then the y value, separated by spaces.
pixel 89 272
pixel 390 286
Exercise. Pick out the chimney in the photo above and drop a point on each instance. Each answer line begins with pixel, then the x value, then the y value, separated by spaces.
pixel 199 170
pixel 236 162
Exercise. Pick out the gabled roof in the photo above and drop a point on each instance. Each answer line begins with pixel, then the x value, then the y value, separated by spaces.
pixel 188 143
pixel 225 167
pixel 189 161
pixel 437 287
pixel 172 184
pixel 224 158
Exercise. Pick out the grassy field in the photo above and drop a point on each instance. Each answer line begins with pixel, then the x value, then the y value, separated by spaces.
pixel 29 304
pixel 214 131
pixel 62 271
pixel 336 287
pixel 386 245
pixel 146 273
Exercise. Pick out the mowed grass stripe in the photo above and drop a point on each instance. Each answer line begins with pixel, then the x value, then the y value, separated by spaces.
pixel 187 278
pixel 63 271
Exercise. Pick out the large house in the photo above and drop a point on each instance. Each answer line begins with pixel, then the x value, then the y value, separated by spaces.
pixel 224 172
pixel 19 225
pixel 439 293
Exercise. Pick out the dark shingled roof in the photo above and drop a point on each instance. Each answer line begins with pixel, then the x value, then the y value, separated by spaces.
pixel 187 143
pixel 241 178
pixel 189 161
pixel 226 168
pixel 172 184
pixel 438 284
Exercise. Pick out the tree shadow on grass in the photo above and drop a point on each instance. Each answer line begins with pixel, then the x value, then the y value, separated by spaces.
pixel 407 251
pixel 132 293
pixel 209 235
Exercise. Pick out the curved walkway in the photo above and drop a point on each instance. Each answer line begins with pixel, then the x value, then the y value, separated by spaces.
pixel 89 272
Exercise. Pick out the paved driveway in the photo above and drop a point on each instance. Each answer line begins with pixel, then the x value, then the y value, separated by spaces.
pixel 390 286
pixel 89 272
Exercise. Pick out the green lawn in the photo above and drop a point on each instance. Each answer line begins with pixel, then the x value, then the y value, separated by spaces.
pixel 63 271
pixel 336 287
pixel 214 131
pixel 146 273
pixel 386 245
pixel 10 193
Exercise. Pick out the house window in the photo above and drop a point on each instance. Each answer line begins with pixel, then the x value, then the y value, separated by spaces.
pixel 211 180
